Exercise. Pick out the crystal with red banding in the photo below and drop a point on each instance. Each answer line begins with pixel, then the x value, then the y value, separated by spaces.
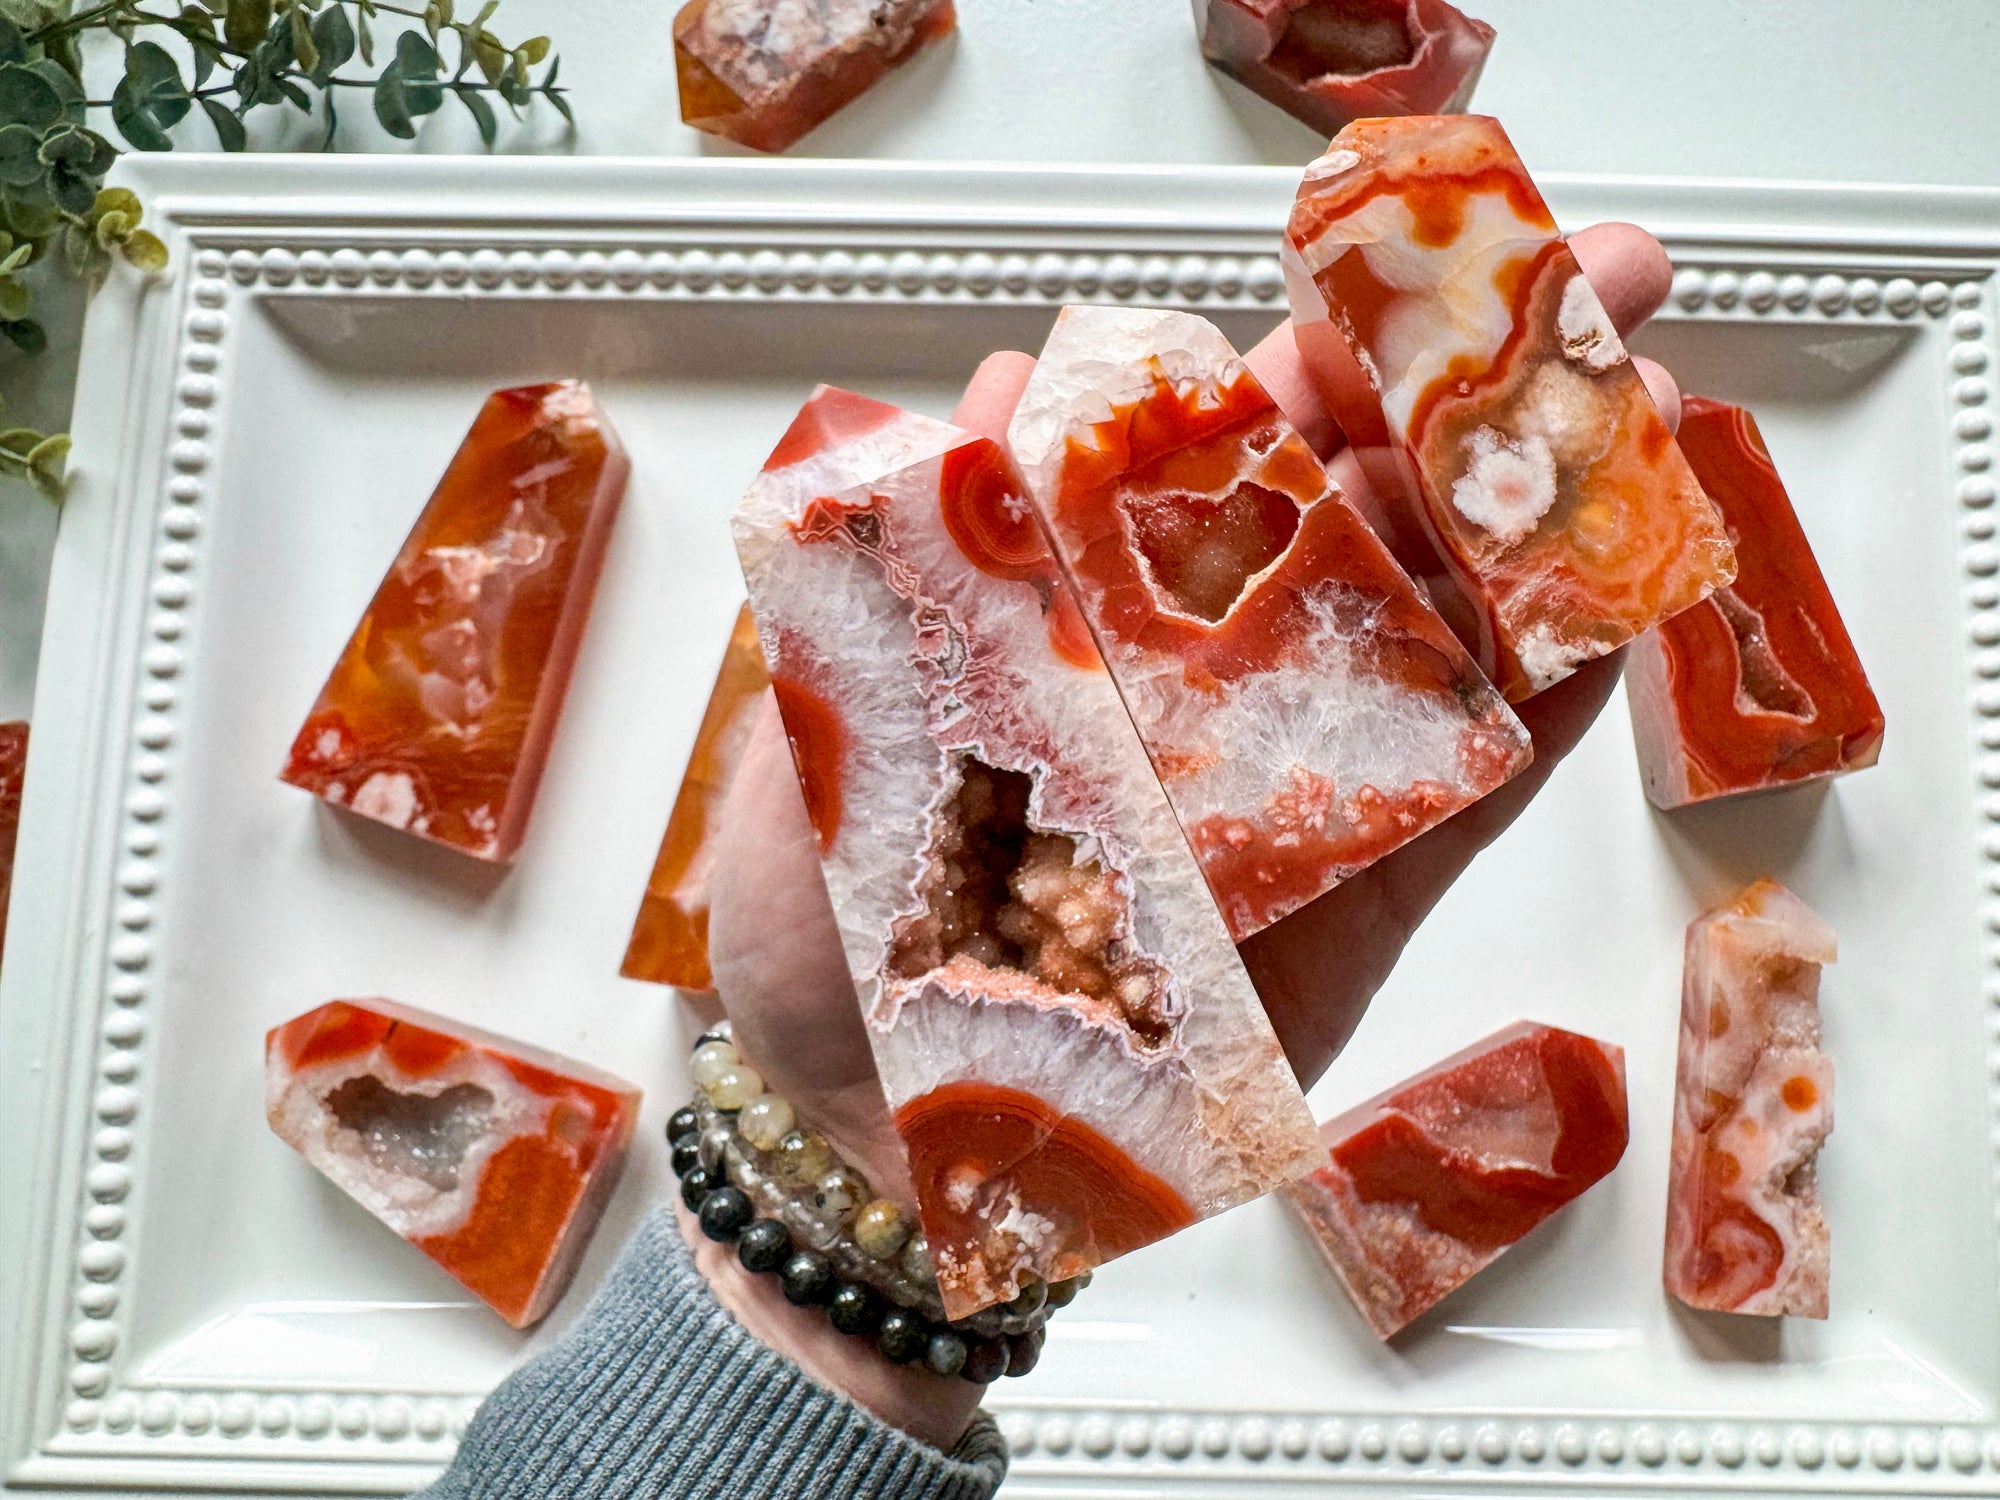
pixel 1525 476
pixel 439 714
pixel 1428 1183
pixel 1753 1103
pixel 1070 1047
pixel 1758 685
pixel 13 773
pixel 670 935
pixel 493 1158
pixel 1305 708
pixel 1329 62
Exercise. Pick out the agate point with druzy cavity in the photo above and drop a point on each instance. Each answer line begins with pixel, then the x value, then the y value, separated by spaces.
pixel 1070 1047
pixel 492 1157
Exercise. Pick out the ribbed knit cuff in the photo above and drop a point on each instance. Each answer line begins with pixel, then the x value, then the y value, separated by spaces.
pixel 659 1392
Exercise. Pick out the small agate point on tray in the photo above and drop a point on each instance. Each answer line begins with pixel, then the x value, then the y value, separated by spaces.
pixel 764 72
pixel 670 936
pixel 1525 477
pixel 1429 1183
pixel 13 771
pixel 1070 1047
pixel 1758 685
pixel 492 1157
pixel 1753 1103
pixel 1305 708
pixel 437 718
pixel 1330 62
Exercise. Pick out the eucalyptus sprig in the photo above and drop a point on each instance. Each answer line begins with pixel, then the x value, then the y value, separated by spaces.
pixel 240 55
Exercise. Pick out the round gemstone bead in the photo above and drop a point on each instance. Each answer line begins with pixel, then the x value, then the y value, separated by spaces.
pixel 764 1246
pixel 721 1031
pixel 713 1144
pixel 685 1156
pixel 902 1336
pixel 1029 1300
pixel 880 1228
pixel 736 1087
pixel 839 1192
pixel 854 1309
pixel 696 1186
pixel 710 1061
pixel 945 1353
pixel 917 1261
pixel 765 1121
pixel 1062 1293
pixel 726 1213
pixel 1024 1350
pixel 985 1361
pixel 807 1278
pixel 802 1157
pixel 683 1122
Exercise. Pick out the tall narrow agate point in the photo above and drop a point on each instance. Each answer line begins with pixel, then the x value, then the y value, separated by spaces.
pixel 1305 709
pixel 670 937
pixel 13 770
pixel 1426 1185
pixel 764 72
pixel 1528 480
pixel 1329 62
pixel 438 716
pixel 1073 1053
pixel 1758 685
pixel 493 1158
pixel 1753 1103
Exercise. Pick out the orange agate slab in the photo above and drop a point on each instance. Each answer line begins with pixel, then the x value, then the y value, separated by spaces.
pixel 1527 479
pixel 1758 685
pixel 670 937
pixel 13 768
pixel 438 716
pixel 764 72
pixel 1070 1047
pixel 1328 62
pixel 1753 1103
pixel 1426 1185
pixel 493 1158
pixel 1305 708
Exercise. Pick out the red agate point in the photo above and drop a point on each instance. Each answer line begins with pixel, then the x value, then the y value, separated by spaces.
pixel 764 72
pixel 1071 1048
pixel 1328 62
pixel 1529 482
pixel 1305 708
pixel 1758 685
pixel 670 937
pixel 13 769
pixel 493 1158
pixel 1753 1102
pixel 1430 1182
pixel 439 713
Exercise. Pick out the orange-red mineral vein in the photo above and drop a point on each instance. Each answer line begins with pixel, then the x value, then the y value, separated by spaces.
pixel 1071 1048
pixel 493 1158
pixel 1426 1185
pixel 1758 685
pixel 1329 62
pixel 670 936
pixel 1753 1103
pixel 1528 480
pixel 438 716
pixel 1305 708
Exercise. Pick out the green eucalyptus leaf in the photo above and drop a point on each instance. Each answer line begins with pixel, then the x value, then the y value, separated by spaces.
pixel 333 35
pixel 28 98
pixel 300 99
pixel 433 21
pixel 246 22
pixel 303 46
pixel 17 257
pixel 20 155
pixel 135 121
pixel 485 14
pixel 72 191
pixel 364 37
pixel 62 76
pixel 490 55
pixel 19 441
pixel 392 106
pixel 108 231
pixel 13 299
pixel 47 460
pixel 145 250
pixel 444 11
pixel 482 112
pixel 534 49
pixel 416 65
pixel 79 249
pixel 13 46
pixel 117 200
pixel 229 132
pixel 29 213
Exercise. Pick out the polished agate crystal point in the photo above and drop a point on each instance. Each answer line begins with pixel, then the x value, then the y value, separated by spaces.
pixel 1070 1048
pixel 1525 476
pixel 13 769
pixel 1427 1184
pixel 1305 708
pixel 1329 62
pixel 670 936
pixel 764 72
pixel 1753 1103
pixel 438 716
pixel 1758 685
pixel 493 1158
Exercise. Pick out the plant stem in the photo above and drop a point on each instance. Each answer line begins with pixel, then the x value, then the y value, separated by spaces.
pixel 77 22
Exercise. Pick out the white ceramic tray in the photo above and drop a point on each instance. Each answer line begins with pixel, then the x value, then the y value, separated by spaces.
pixel 187 1306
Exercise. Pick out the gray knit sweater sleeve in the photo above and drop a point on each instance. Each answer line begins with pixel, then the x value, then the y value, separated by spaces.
pixel 658 1392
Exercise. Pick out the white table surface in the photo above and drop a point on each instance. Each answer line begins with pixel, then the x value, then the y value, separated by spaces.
pixel 1847 90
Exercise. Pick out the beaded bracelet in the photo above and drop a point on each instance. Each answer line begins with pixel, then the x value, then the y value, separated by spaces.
pixel 791 1206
